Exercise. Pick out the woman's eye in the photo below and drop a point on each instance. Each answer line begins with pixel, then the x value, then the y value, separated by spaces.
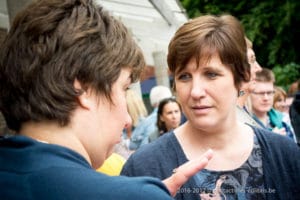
pixel 211 74
pixel 184 77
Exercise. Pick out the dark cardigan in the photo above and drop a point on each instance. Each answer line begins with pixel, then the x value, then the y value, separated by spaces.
pixel 280 155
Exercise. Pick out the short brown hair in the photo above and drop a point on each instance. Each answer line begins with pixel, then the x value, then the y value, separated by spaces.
pixel 248 43
pixel 49 46
pixel 265 75
pixel 206 35
pixel 279 92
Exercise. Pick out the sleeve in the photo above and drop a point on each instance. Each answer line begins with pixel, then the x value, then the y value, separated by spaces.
pixel 281 164
pixel 154 189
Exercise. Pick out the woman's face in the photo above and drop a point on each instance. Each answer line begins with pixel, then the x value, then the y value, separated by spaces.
pixel 262 97
pixel 171 115
pixel 109 120
pixel 255 67
pixel 280 104
pixel 207 93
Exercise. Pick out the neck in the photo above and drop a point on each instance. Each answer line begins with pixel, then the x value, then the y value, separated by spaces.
pixel 52 133
pixel 217 139
pixel 231 146
pixel 262 116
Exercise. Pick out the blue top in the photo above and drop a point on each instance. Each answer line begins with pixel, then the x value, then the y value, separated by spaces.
pixel 243 182
pixel 276 120
pixel 280 164
pixel 140 135
pixel 33 170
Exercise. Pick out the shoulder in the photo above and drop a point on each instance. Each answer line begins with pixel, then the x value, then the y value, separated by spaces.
pixel 245 117
pixel 277 145
pixel 144 123
pixel 281 162
pixel 70 183
pixel 156 147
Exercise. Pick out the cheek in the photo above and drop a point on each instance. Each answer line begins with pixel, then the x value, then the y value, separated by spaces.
pixel 119 110
pixel 122 108
pixel 179 116
pixel 253 71
pixel 182 93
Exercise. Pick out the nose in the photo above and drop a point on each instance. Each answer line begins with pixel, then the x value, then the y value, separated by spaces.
pixel 128 121
pixel 198 88
pixel 174 115
pixel 257 67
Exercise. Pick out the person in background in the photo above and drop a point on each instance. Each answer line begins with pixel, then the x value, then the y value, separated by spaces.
pixel 243 102
pixel 294 113
pixel 140 135
pixel 168 117
pixel 3 127
pixel 207 58
pixel 136 109
pixel 65 66
pixel 262 98
pixel 279 103
pixel 292 90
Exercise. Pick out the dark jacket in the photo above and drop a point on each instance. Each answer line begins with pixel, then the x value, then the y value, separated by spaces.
pixel 33 170
pixel 295 116
pixel 280 155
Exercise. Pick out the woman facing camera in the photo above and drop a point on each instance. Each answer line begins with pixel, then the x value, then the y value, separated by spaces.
pixel 65 67
pixel 208 59
pixel 168 117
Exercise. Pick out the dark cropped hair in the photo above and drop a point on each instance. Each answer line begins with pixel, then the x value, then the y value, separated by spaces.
pixel 49 46
pixel 265 75
pixel 160 124
pixel 206 35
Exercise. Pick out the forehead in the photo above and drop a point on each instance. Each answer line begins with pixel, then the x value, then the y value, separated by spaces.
pixel 125 76
pixel 250 53
pixel 200 56
pixel 263 86
pixel 213 61
pixel 171 105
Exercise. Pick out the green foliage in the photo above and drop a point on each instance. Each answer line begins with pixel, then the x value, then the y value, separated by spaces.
pixel 286 74
pixel 270 24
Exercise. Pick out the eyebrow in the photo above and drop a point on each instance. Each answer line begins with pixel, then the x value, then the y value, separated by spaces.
pixel 216 69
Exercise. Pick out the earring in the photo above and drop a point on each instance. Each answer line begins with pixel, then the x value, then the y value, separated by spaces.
pixel 241 93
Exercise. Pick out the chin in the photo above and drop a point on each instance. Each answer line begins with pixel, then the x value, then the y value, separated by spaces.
pixel 208 125
pixel 98 164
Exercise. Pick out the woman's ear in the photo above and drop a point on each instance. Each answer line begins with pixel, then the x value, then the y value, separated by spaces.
pixel 84 99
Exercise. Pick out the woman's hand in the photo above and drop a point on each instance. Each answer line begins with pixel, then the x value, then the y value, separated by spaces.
pixel 185 171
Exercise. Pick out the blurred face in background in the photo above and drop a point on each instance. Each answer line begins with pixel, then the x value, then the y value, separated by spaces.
pixel 262 97
pixel 255 67
pixel 280 104
pixel 171 115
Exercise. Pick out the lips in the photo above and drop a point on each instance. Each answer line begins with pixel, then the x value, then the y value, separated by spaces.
pixel 202 109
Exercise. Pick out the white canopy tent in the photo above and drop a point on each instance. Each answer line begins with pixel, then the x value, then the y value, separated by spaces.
pixel 152 23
